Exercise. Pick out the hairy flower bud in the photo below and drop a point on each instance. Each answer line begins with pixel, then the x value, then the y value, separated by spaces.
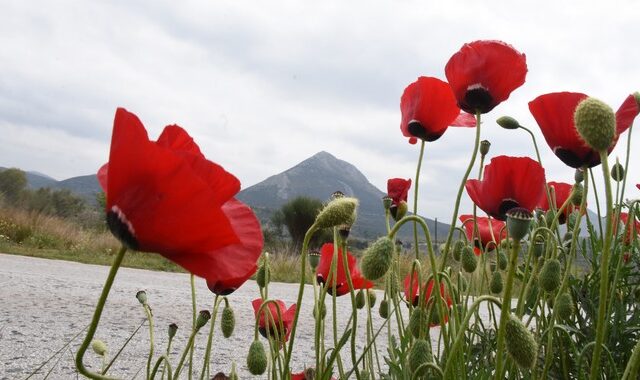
pixel 384 309
pixel 227 321
pixel 518 222
pixel 372 297
pixel 617 172
pixel 496 283
pixel 564 306
pixel 507 122
pixel 377 259
pixel 503 261
pixel 468 259
pixel 99 347
pixel 521 344
pixel 338 211
pixel 420 354
pixel 418 321
pixel 203 318
pixel 550 275
pixel 457 249
pixel 596 123
pixel 257 358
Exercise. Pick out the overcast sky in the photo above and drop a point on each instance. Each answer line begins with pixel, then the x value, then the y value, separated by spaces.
pixel 262 85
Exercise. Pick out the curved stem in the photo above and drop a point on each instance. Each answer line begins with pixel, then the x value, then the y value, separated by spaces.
pixel 184 353
pixel 167 364
pixel 96 318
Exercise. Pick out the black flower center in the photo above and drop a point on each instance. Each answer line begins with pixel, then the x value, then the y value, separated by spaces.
pixel 575 161
pixel 416 129
pixel 505 206
pixel 477 98
pixel 121 228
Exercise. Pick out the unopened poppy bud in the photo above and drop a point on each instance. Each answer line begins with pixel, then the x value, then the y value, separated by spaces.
pixel 572 220
pixel 384 309
pixel 418 321
pixel 399 211
pixel 314 259
pixel 518 222
pixel 564 306
pixel 227 321
pixel 521 344
pixel 617 172
pixel 386 202
pixel 377 259
pixel 550 275
pixel 338 211
pixel 99 347
pixel 257 358
pixel 596 123
pixel 567 236
pixel 261 276
pixel 203 318
pixel 360 299
pixel 503 261
pixel 420 354
pixel 577 192
pixel 484 147
pixel 507 122
pixel 457 249
pixel 142 297
pixel 579 175
pixel 435 315
pixel 372 297
pixel 172 330
pixel 468 260
pixel 496 283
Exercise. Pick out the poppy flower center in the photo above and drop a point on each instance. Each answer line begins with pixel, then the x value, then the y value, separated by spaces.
pixel 416 129
pixel 477 98
pixel 121 228
pixel 573 160
pixel 506 205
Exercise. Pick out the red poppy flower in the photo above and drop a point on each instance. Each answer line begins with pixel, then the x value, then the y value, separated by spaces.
pixel 412 294
pixel 562 192
pixel 554 114
pixel 272 315
pixel 398 189
pixel 638 186
pixel 488 229
pixel 165 197
pixel 342 286
pixel 303 376
pixel 428 108
pixel 508 182
pixel 484 73
pixel 632 231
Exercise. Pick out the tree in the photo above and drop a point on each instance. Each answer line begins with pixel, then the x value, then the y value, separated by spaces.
pixel 297 216
pixel 13 183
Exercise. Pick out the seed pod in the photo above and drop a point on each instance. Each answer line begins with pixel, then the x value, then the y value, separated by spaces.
pixel 257 358
pixel 227 321
pixel 521 344
pixel 386 202
pixel 203 318
pixel 496 283
pixel 596 123
pixel 384 309
pixel 484 147
pixel 338 211
pixel 377 259
pixel 458 246
pixel 564 306
pixel 550 276
pixel 372 297
pixel 142 297
pixel 99 347
pixel 503 261
pixel 518 222
pixel 360 299
pixel 314 259
pixel 418 321
pixel 468 260
pixel 173 329
pixel 420 354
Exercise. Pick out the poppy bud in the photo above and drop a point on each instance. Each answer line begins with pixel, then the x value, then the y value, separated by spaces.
pixel 384 309
pixel 518 221
pixel 227 321
pixel 571 220
pixel 564 306
pixel 550 277
pixel 579 175
pixel 314 259
pixel 399 211
pixel 507 122
pixel 549 216
pixel 435 315
pixel 496 283
pixel 323 311
pixel 377 259
pixel 457 249
pixel 420 354
pixel 468 259
pixel 360 299
pixel 173 329
pixel 99 347
pixel 257 358
pixel 142 297
pixel 617 172
pixel 418 321
pixel 484 147
pixel 521 344
pixel 261 276
pixel 203 318
pixel 338 211
pixel 596 123
pixel 372 297
pixel 503 261
pixel 577 192
pixel 386 202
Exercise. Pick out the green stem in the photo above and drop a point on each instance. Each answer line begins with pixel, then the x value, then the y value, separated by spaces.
pixel 505 309
pixel 334 281
pixel 184 353
pixel 194 315
pixel 147 311
pixel 354 312
pixel 167 365
pixel 595 193
pixel 207 353
pixel 415 199
pixel 96 318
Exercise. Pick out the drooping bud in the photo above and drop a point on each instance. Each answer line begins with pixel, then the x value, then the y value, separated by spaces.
pixel 314 259
pixel 203 318
pixel 617 172
pixel 579 175
pixel 503 261
pixel 172 330
pixel 418 321
pixel 577 192
pixel 468 259
pixel 596 123
pixel 227 321
pixel 496 283
pixel 360 299
pixel 257 358
pixel 372 297
pixel 99 347
pixel 386 202
pixel 338 211
pixel 384 309
pixel 564 306
pixel 550 275
pixel 399 211
pixel 521 344
pixel 507 122
pixel 518 222
pixel 377 259
pixel 420 354
pixel 141 295
pixel 484 147
pixel 457 249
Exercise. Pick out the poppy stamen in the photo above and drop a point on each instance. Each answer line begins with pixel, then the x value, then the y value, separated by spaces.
pixel 121 227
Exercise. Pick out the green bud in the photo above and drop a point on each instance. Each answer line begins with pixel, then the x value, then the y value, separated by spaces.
pixel 203 318
pixel 261 276
pixel 507 122
pixel 596 123
pixel 384 309
pixel 484 147
pixel 372 297
pixel 468 260
pixel 338 211
pixel 521 344
pixel 579 175
pixel 550 276
pixel 99 347
pixel 142 297
pixel 360 299
pixel 457 249
pixel 257 358
pixel 420 354
pixel 173 329
pixel 577 192
pixel 227 321
pixel 418 321
pixel 377 259
pixel 503 261
pixel 496 283
pixel 565 306
pixel 518 222
pixel 399 211
pixel 617 172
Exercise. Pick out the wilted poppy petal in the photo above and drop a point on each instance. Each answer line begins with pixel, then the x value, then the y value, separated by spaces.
pixel 464 120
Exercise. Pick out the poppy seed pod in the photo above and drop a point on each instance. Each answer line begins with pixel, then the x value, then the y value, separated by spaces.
pixel 538 247
pixel 596 123
pixel 203 318
pixel 518 222
pixel 564 306
pixel 360 299
pixel 386 202
pixel 142 297
pixel 420 354
pixel 550 276
pixel 579 175
pixel 261 276
pixel 503 261
pixel 458 246
pixel 372 297
pixel 468 259
pixel 227 321
pixel 507 122
pixel 314 259
pixel 418 321
pixel 99 347
pixel 377 259
pixel 257 358
pixel 484 147
pixel 617 172
pixel 399 211
pixel 384 309
pixel 577 192
pixel 496 283
pixel 172 330
pixel 338 211
pixel 521 344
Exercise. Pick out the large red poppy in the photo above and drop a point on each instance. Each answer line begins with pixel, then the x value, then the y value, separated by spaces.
pixel 508 182
pixel 562 192
pixel 270 313
pixel 398 189
pixel 165 197
pixel 554 114
pixel 489 230
pixel 342 286
pixel 428 108
pixel 412 292
pixel 483 74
